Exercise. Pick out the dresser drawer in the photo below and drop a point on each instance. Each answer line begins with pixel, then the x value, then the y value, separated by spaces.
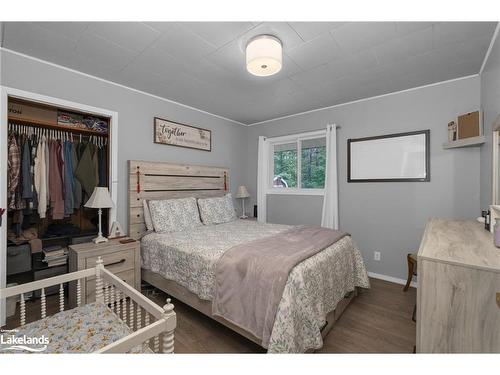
pixel 127 276
pixel 114 262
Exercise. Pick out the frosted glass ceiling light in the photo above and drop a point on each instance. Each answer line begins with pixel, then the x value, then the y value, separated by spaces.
pixel 264 55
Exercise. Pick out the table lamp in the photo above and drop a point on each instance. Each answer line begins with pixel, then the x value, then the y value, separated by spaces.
pixel 242 193
pixel 100 199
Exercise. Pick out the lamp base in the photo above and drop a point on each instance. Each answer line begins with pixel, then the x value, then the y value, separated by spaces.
pixel 243 217
pixel 100 239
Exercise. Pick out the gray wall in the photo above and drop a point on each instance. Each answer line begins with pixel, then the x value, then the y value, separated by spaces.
pixel 135 119
pixel 490 102
pixel 388 217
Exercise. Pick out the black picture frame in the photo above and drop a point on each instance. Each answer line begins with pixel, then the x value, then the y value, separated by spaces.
pixel 427 177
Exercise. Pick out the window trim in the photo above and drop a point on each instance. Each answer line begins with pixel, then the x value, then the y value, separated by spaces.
pixel 297 138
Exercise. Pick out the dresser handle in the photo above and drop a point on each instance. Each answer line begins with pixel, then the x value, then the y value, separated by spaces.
pixel 498 300
pixel 115 263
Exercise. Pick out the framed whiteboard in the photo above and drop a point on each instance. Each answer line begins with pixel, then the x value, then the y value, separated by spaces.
pixel 402 157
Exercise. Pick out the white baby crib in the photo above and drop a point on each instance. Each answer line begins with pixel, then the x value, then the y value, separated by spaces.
pixel 149 325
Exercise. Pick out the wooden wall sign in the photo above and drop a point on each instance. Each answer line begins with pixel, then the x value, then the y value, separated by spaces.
pixel 172 133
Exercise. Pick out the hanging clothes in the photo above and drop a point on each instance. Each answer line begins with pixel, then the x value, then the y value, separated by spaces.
pixel 33 150
pixel 27 183
pixel 14 171
pixel 85 172
pixel 102 167
pixel 68 179
pixel 77 186
pixel 55 181
pixel 40 178
pixel 95 161
pixel 47 174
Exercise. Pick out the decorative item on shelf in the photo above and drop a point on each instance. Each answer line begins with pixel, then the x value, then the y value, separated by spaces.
pixel 116 231
pixel 469 125
pixel 100 199
pixel 452 131
pixel 242 193
pixel 486 217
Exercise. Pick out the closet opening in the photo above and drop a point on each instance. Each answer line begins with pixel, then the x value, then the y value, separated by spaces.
pixel 55 159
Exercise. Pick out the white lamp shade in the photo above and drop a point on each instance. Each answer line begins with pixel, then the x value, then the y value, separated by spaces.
pixel 100 198
pixel 242 192
pixel 264 55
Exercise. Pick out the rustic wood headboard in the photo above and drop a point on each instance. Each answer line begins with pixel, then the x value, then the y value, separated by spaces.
pixel 160 180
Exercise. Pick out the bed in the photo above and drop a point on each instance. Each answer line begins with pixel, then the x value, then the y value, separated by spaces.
pixel 183 263
pixel 121 320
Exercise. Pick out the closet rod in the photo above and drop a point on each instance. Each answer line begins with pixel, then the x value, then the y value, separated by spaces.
pixel 55 133
pixel 56 127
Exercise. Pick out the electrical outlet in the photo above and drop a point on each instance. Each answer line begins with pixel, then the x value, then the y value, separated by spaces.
pixel 376 255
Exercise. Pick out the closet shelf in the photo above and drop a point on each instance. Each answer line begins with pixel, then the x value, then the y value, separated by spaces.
pixel 466 142
pixel 50 125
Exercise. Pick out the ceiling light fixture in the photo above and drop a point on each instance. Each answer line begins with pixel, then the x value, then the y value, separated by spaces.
pixel 264 55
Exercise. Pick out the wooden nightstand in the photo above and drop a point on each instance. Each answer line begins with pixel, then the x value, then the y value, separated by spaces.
pixel 124 260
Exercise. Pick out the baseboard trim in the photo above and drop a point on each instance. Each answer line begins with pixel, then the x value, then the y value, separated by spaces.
pixel 392 279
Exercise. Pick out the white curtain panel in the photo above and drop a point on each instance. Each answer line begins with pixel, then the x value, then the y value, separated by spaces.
pixel 330 216
pixel 262 176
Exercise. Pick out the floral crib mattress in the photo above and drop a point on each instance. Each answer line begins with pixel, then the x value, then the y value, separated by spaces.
pixel 84 329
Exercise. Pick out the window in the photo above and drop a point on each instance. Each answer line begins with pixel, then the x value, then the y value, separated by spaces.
pixel 298 164
pixel 313 163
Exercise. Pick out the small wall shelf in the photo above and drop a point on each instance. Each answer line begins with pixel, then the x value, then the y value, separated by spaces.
pixel 466 142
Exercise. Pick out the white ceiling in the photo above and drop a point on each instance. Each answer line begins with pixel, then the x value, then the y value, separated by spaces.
pixel 202 64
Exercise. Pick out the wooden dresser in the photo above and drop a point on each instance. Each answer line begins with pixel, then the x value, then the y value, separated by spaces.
pixel 121 259
pixel 458 295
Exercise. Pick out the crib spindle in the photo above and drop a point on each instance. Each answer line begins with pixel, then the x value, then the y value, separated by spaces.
pixel 138 317
pixel 23 310
pixel 112 297
pixel 43 303
pixel 124 309
pixel 98 281
pixel 61 297
pixel 156 344
pixel 146 323
pixel 119 304
pixel 168 337
pixel 106 294
pixel 131 314
pixel 78 293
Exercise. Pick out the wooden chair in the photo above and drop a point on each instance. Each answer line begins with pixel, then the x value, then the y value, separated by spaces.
pixel 412 270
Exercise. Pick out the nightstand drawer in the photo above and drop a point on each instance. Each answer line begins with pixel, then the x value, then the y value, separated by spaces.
pixel 114 262
pixel 127 276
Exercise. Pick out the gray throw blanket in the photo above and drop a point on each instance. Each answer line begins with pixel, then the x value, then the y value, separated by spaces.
pixel 251 277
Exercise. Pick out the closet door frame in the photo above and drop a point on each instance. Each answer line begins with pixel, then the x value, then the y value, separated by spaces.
pixel 9 92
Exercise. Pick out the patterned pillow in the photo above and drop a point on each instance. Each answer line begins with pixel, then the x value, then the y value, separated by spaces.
pixel 217 210
pixel 174 215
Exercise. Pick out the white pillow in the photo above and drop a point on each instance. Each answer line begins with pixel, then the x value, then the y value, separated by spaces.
pixel 174 215
pixel 217 210
pixel 147 215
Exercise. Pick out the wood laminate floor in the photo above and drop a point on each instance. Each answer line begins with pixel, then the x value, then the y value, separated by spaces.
pixel 377 321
